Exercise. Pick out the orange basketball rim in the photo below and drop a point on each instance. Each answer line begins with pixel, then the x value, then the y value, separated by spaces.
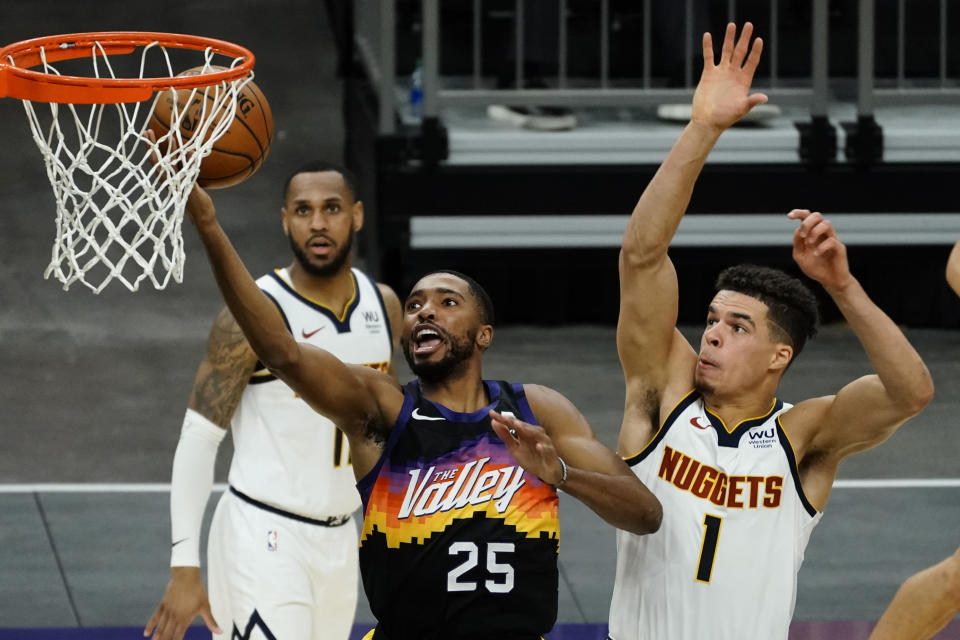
pixel 17 80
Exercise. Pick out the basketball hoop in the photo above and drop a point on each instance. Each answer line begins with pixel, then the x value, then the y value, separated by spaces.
pixel 121 197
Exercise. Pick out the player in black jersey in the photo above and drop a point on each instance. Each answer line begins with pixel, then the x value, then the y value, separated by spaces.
pixel 458 474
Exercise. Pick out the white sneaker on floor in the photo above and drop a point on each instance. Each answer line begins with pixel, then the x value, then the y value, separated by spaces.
pixel 536 118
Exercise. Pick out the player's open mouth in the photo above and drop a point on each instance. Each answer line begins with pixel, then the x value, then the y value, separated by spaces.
pixel 320 247
pixel 426 340
pixel 705 364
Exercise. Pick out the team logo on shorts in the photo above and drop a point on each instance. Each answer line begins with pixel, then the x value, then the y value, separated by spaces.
pixel 272 540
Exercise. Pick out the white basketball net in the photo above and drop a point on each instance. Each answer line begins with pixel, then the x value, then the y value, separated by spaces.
pixel 120 213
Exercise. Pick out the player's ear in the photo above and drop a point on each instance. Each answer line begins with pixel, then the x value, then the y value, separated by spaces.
pixel 358 215
pixel 485 336
pixel 283 221
pixel 781 357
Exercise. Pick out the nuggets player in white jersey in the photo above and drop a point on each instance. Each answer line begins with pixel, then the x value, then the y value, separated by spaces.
pixel 492 477
pixel 743 476
pixel 282 549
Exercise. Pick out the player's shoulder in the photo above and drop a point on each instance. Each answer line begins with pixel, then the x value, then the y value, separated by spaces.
pixel 802 421
pixel 546 401
pixel 387 294
pixel 390 297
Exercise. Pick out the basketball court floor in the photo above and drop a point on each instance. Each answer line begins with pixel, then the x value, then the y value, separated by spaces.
pixel 95 386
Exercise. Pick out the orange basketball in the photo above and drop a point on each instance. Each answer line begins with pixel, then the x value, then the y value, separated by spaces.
pixel 241 150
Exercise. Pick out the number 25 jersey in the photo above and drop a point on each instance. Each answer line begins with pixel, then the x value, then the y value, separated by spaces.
pixel 735 525
pixel 458 540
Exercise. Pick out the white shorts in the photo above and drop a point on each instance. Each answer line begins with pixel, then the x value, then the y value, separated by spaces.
pixel 270 576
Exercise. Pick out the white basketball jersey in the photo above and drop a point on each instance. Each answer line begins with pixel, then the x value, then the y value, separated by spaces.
pixel 735 525
pixel 287 455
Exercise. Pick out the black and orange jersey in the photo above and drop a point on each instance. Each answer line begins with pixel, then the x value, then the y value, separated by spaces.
pixel 458 540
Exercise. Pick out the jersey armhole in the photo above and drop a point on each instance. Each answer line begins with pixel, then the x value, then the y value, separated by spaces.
pixel 794 469
pixel 526 413
pixel 383 307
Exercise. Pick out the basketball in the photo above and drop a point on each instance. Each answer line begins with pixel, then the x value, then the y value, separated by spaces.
pixel 241 150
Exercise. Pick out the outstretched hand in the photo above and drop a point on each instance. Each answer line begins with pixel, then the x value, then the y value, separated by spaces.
pixel 530 446
pixel 723 94
pixel 200 207
pixel 818 251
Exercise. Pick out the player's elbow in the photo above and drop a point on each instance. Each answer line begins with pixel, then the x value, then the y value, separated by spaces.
pixel 920 396
pixel 654 518
pixel 648 518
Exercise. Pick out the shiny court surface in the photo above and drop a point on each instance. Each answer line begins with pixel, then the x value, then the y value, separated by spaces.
pixel 95 555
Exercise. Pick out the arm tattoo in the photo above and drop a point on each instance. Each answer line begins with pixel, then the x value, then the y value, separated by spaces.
pixel 224 372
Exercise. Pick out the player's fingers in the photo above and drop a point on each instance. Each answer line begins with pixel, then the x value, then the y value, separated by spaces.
pixel 151 623
pixel 160 632
pixel 212 625
pixel 754 58
pixel 810 222
pixel 153 155
pixel 756 98
pixel 708 60
pixel 726 52
pixel 830 245
pixel 820 231
pixel 743 44
pixel 798 214
pixel 797 240
pixel 510 436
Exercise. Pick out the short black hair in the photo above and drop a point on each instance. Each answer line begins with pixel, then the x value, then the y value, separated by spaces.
pixel 478 292
pixel 791 306
pixel 320 166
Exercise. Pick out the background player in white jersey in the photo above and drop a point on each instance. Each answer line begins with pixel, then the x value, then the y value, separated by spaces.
pixel 742 477
pixel 282 550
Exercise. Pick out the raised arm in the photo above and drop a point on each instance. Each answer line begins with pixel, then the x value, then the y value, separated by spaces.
pixel 349 395
pixel 868 410
pixel 593 473
pixel 650 347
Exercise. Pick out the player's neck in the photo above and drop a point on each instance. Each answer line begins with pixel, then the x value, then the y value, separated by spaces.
pixel 735 409
pixel 463 391
pixel 334 291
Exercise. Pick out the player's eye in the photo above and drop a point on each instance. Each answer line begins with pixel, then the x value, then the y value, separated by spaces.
pixel 333 208
pixel 413 306
pixel 450 302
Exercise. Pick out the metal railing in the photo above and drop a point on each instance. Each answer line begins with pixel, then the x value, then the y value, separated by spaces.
pixel 376 41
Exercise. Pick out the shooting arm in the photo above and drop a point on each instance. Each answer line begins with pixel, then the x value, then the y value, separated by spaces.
pixel 867 411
